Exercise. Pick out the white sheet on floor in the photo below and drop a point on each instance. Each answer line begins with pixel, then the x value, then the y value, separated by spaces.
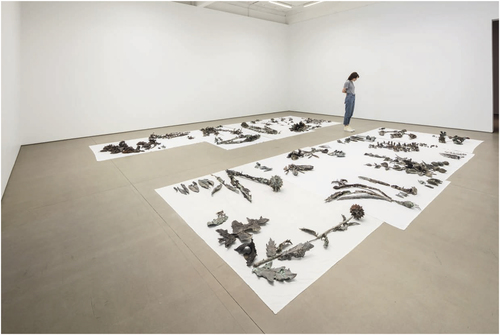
pixel 168 143
pixel 224 136
pixel 469 145
pixel 288 210
pixel 283 127
pixel 301 203
pixel 328 169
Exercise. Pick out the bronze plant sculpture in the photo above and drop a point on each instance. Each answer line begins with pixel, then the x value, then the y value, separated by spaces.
pixel 216 189
pixel 265 130
pixel 272 274
pixel 221 218
pixel 366 192
pixel 245 191
pixel 297 168
pixel 124 148
pixel 241 231
pixel 262 167
pixel 238 139
pixel 194 187
pixel 216 130
pixel 296 252
pixel 230 187
pixel 299 153
pixel 408 165
pixel 205 183
pixel 300 127
pixel 317 122
pixel 458 140
pixel 168 136
pixel 275 182
pixel 300 249
pixel 409 190
pixel 442 137
pixel 453 155
pixel 337 153
pixel 396 133
pixel 358 138
pixel 357 213
pixel 397 146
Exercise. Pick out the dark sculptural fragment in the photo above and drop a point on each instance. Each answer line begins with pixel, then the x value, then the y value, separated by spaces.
pixel 227 239
pixel 248 251
pixel 122 147
pixel 205 183
pixel 265 130
pixel 357 212
pixel 364 192
pixel 216 130
pixel 458 139
pixel 408 165
pixel 396 133
pixel 238 139
pixel 296 154
pixel 275 182
pixel 220 219
pixel 262 167
pixel 453 155
pixel 299 127
pixel 168 136
pixel 241 231
pixel 295 169
pixel 442 137
pixel 397 146
pixel 272 274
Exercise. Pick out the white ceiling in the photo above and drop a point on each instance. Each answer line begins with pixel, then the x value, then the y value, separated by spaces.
pixel 266 10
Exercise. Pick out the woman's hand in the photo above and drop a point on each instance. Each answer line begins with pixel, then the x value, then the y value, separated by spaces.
pixel 344 90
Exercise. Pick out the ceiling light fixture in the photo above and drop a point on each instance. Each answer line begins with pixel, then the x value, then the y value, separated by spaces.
pixel 281 4
pixel 312 3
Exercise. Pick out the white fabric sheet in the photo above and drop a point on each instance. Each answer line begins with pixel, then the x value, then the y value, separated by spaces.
pixel 282 127
pixel 469 145
pixel 227 136
pixel 168 143
pixel 329 168
pixel 301 203
pixel 288 210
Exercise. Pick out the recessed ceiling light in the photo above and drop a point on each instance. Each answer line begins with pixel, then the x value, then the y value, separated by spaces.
pixel 311 3
pixel 281 4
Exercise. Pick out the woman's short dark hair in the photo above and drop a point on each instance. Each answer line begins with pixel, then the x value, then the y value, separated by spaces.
pixel 353 75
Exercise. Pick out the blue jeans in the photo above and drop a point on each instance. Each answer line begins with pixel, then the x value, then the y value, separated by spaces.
pixel 349 108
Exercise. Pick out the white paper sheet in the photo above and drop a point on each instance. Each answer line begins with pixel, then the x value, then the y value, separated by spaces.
pixel 469 145
pixel 282 127
pixel 168 143
pixel 224 136
pixel 288 210
pixel 301 203
pixel 328 169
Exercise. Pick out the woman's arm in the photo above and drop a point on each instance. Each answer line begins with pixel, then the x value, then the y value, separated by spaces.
pixel 344 90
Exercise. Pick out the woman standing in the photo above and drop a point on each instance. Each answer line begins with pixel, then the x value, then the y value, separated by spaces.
pixel 350 98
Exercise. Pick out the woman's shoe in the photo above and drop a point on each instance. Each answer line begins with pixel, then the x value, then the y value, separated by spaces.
pixel 349 129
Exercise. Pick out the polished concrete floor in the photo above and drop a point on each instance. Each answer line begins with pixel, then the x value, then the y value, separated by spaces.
pixel 90 247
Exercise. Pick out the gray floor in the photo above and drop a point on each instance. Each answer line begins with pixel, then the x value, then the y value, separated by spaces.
pixel 90 247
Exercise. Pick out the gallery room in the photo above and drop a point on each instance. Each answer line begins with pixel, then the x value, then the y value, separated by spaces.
pixel 249 167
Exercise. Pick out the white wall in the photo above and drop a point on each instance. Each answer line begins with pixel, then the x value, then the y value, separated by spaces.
pixel 424 63
pixel 93 68
pixel 11 110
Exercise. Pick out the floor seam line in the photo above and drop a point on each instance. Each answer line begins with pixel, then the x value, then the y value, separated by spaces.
pixel 194 254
